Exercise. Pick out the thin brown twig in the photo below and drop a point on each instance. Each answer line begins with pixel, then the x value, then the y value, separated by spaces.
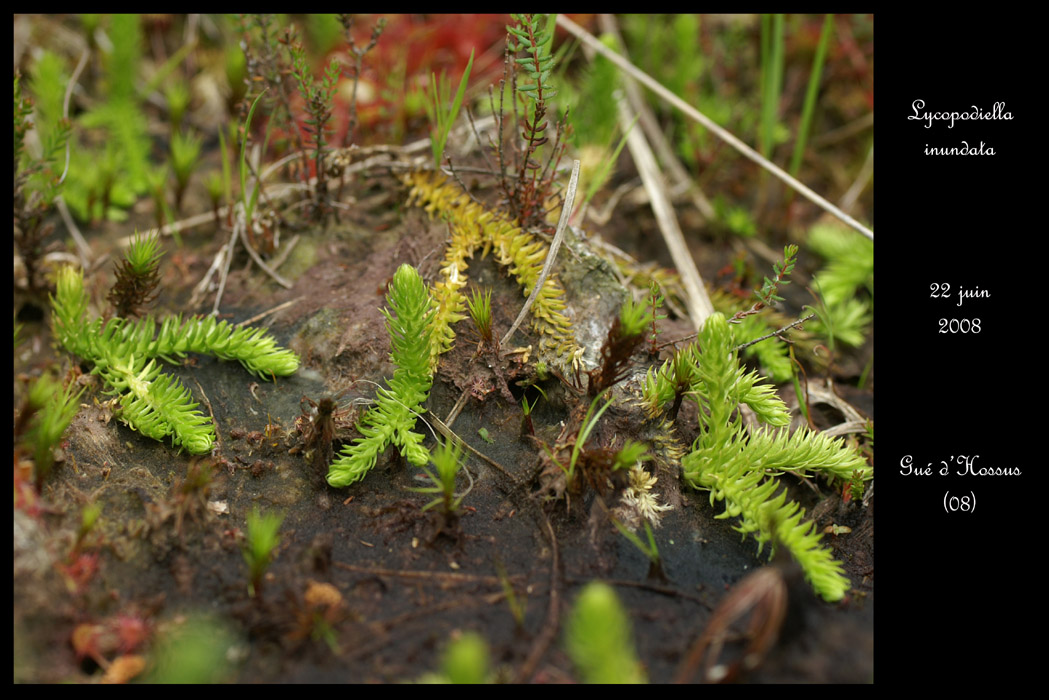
pixel 668 591
pixel 211 412
pixel 787 327
pixel 553 612
pixel 454 413
pixel 446 576
pixel 698 302
pixel 262 263
pixel 285 252
pixel 225 270
pixel 83 249
pixel 480 144
pixel 744 345
pixel 264 314
pixel 447 432
pixel 459 180
pixel 656 137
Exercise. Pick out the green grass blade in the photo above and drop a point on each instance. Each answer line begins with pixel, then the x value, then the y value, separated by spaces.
pixel 586 429
pixel 244 156
pixel 772 78
pixel 443 120
pixel 810 94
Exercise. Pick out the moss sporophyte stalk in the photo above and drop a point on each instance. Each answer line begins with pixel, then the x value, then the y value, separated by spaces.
pixel 125 355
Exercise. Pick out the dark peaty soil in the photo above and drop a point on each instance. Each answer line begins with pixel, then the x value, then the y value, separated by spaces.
pixel 406 580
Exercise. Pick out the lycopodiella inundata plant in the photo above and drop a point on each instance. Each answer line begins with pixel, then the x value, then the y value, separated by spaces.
pixel 669 383
pixel 392 418
pixel 261 539
pixel 447 460
pixel 739 467
pixel 845 285
pixel 520 252
pixel 125 355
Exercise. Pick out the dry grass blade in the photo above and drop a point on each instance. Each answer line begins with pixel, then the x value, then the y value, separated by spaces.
pixel 677 175
pixel 698 116
pixel 699 306
pixel 562 224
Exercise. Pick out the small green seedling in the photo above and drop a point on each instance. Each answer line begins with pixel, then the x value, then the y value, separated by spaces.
pixel 157 185
pixel 598 638
pixel 527 427
pixel 49 409
pixel 480 306
pixel 260 544
pixel 483 432
pixel 185 155
pixel 442 117
pixel 585 428
pixel 589 422
pixel 192 651
pixel 178 97
pixel 465 662
pixel 215 187
pixel 447 458
pixel 626 334
pixel 88 520
pixel 392 418
pixel 517 605
pixel 631 454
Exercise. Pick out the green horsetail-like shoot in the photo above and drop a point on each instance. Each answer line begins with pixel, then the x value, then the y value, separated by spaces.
pixel 261 539
pixel 125 355
pixel 392 418
pixel 739 467
pixel 599 640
